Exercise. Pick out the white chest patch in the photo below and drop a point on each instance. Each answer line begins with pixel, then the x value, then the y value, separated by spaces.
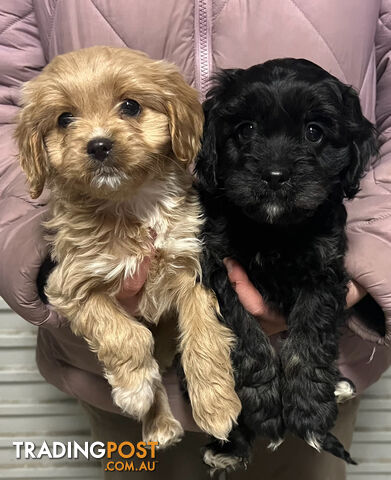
pixel 156 205
pixel 272 211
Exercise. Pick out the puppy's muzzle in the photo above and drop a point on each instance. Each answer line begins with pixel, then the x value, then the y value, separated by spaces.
pixel 99 148
pixel 275 178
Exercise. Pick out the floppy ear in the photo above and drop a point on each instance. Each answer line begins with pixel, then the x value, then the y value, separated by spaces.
pixel 32 151
pixel 206 164
pixel 185 119
pixel 363 139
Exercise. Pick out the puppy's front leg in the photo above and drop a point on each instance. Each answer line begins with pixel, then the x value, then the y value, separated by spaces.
pixel 205 346
pixel 257 380
pixel 122 344
pixel 308 359
pixel 159 424
pixel 256 365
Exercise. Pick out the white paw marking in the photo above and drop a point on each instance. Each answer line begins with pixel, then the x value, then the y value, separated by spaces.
pixel 344 391
pixel 137 400
pixel 274 445
pixel 135 403
pixel 221 461
pixel 313 442
pixel 166 431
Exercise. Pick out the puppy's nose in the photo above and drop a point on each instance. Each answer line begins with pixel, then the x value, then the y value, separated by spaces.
pixel 275 178
pixel 99 148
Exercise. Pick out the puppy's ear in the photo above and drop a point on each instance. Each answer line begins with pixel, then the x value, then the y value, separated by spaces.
pixel 185 119
pixel 206 163
pixel 207 160
pixel 363 142
pixel 30 138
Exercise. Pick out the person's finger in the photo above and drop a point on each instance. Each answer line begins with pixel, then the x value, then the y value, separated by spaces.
pixel 248 295
pixel 130 304
pixel 252 301
pixel 355 293
pixel 271 322
pixel 128 296
pixel 132 285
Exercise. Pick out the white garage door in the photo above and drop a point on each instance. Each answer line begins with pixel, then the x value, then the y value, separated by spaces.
pixel 32 410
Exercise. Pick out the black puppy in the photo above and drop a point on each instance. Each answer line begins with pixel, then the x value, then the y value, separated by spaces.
pixel 284 143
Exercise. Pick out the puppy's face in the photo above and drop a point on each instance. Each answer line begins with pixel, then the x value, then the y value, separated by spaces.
pixel 281 138
pixel 102 120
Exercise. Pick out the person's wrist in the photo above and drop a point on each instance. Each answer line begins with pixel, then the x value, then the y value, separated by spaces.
pixel 355 293
pixel 129 295
pixel 271 322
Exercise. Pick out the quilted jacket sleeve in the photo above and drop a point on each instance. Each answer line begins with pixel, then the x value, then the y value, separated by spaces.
pixel 369 228
pixel 21 245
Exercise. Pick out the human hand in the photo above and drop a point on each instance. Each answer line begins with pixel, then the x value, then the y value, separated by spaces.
pixel 252 301
pixel 271 322
pixel 129 296
pixel 355 293
pixel 20 263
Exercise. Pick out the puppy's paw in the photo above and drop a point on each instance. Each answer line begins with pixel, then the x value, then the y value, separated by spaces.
pixel 134 402
pixel 223 461
pixel 164 429
pixel 273 445
pixel 309 403
pixel 214 413
pixel 329 443
pixel 309 418
pixel 137 397
pixel 314 441
pixel 310 410
pixel 345 390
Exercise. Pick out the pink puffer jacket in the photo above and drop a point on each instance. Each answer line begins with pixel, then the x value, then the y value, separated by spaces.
pixel 350 38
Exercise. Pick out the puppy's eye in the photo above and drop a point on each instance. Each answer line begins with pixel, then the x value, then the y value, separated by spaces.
pixel 246 129
pixel 130 108
pixel 65 119
pixel 314 133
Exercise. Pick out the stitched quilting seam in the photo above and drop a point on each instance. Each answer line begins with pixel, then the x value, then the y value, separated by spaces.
pixel 15 21
pixel 367 69
pixel 387 23
pixel 352 228
pixel 217 14
pixel 321 37
pixel 34 205
pixel 108 23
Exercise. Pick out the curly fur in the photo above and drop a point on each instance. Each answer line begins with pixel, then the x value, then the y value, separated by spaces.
pixel 288 235
pixel 105 215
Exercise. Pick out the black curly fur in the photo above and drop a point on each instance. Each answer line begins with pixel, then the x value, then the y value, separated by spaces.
pixel 288 236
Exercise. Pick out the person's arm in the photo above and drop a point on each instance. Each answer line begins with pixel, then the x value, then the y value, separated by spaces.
pixel 369 215
pixel 21 245
pixel 271 322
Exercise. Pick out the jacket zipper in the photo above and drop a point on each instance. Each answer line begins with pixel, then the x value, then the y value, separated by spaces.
pixel 203 44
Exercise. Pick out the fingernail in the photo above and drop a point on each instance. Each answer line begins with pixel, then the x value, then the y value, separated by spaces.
pixel 229 265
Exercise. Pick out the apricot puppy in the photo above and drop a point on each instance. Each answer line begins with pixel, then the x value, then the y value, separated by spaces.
pixel 112 133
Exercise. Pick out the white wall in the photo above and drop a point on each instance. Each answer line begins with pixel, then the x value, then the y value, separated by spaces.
pixel 30 409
